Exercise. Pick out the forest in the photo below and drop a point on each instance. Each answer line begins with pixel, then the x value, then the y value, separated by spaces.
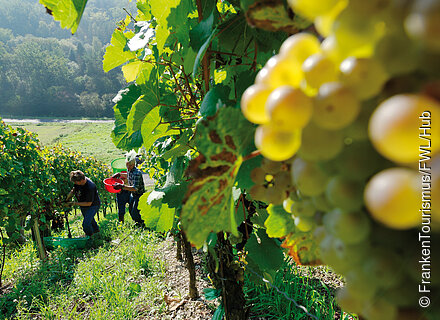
pixel 45 71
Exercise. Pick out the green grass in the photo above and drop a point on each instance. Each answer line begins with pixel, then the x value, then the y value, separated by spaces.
pixel 91 139
pixel 276 302
pixel 118 278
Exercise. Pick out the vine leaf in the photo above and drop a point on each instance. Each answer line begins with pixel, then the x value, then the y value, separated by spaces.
pixel 214 99
pixel 271 15
pixel 158 217
pixel 264 255
pixel 67 12
pixel 121 136
pixel 161 10
pixel 208 205
pixel 116 54
pixel 152 128
pixel 279 223
pixel 303 248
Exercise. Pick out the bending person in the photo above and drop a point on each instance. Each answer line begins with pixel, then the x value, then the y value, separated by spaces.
pixel 87 196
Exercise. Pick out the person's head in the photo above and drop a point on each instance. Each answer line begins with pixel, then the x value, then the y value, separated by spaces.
pixel 130 160
pixel 78 177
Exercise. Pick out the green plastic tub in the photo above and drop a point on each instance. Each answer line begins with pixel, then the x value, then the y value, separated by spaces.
pixel 73 243
pixel 118 165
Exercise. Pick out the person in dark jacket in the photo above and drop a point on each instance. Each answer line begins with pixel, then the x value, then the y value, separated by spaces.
pixel 87 198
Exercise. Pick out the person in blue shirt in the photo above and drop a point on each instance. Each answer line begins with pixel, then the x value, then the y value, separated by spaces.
pixel 87 198
pixel 135 185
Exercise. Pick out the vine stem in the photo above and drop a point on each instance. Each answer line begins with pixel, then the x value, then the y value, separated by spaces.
pixel 254 154
pixel 178 84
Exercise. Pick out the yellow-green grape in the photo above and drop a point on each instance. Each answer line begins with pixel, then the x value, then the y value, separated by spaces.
pixel 395 126
pixel 258 192
pixel 275 195
pixel 393 198
pixel 258 175
pixel 319 69
pixel 282 180
pixel 280 71
pixel 324 22
pixel 358 129
pixel 361 285
pixel 350 227
pixel 336 106
pixel 303 208
pixel 277 145
pixel 347 301
pixel 345 193
pixel 300 46
pixel 304 224
pixel 308 177
pixel 357 34
pixel 289 108
pixel 379 309
pixel 358 161
pixel 271 167
pixel 287 204
pixel 364 76
pixel 312 8
pixel 397 64
pixel 253 103
pixel 334 50
pixel 319 144
pixel 423 23
pixel 321 203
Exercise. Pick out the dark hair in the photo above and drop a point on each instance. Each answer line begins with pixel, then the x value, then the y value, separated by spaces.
pixel 77 175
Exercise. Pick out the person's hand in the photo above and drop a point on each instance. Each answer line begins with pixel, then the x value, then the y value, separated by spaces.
pixel 118 186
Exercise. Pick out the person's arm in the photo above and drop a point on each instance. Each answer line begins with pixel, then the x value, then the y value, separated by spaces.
pixel 70 195
pixel 82 204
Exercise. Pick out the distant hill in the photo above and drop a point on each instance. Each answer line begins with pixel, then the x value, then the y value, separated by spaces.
pixel 45 71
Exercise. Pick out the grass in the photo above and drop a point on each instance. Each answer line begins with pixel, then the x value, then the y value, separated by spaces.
pixel 118 278
pixel 291 285
pixel 91 139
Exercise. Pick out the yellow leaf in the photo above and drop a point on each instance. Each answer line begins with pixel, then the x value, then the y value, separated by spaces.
pixel 132 70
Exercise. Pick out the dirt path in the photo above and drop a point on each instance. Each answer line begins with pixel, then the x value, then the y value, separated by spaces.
pixel 179 305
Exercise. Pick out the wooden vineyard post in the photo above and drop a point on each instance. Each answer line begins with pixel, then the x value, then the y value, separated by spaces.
pixel 40 245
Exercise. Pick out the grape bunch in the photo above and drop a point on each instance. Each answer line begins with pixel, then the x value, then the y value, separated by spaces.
pixel 272 182
pixel 355 110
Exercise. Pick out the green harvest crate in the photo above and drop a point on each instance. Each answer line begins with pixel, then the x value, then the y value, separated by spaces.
pixel 74 243
pixel 118 165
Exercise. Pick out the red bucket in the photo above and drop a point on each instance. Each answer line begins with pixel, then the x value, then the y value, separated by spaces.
pixel 109 182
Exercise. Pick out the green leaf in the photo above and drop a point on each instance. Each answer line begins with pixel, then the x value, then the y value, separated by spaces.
pixel 179 23
pixel 131 70
pixel 158 217
pixel 212 293
pixel 115 54
pixel 214 100
pixel 208 204
pixel 279 223
pixel 152 129
pixel 202 51
pixel 200 33
pixel 264 254
pixel 161 10
pixel 219 312
pixel 244 174
pixel 67 12
pixel 273 16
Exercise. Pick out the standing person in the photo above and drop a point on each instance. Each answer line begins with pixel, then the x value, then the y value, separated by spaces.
pixel 135 184
pixel 122 198
pixel 87 196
